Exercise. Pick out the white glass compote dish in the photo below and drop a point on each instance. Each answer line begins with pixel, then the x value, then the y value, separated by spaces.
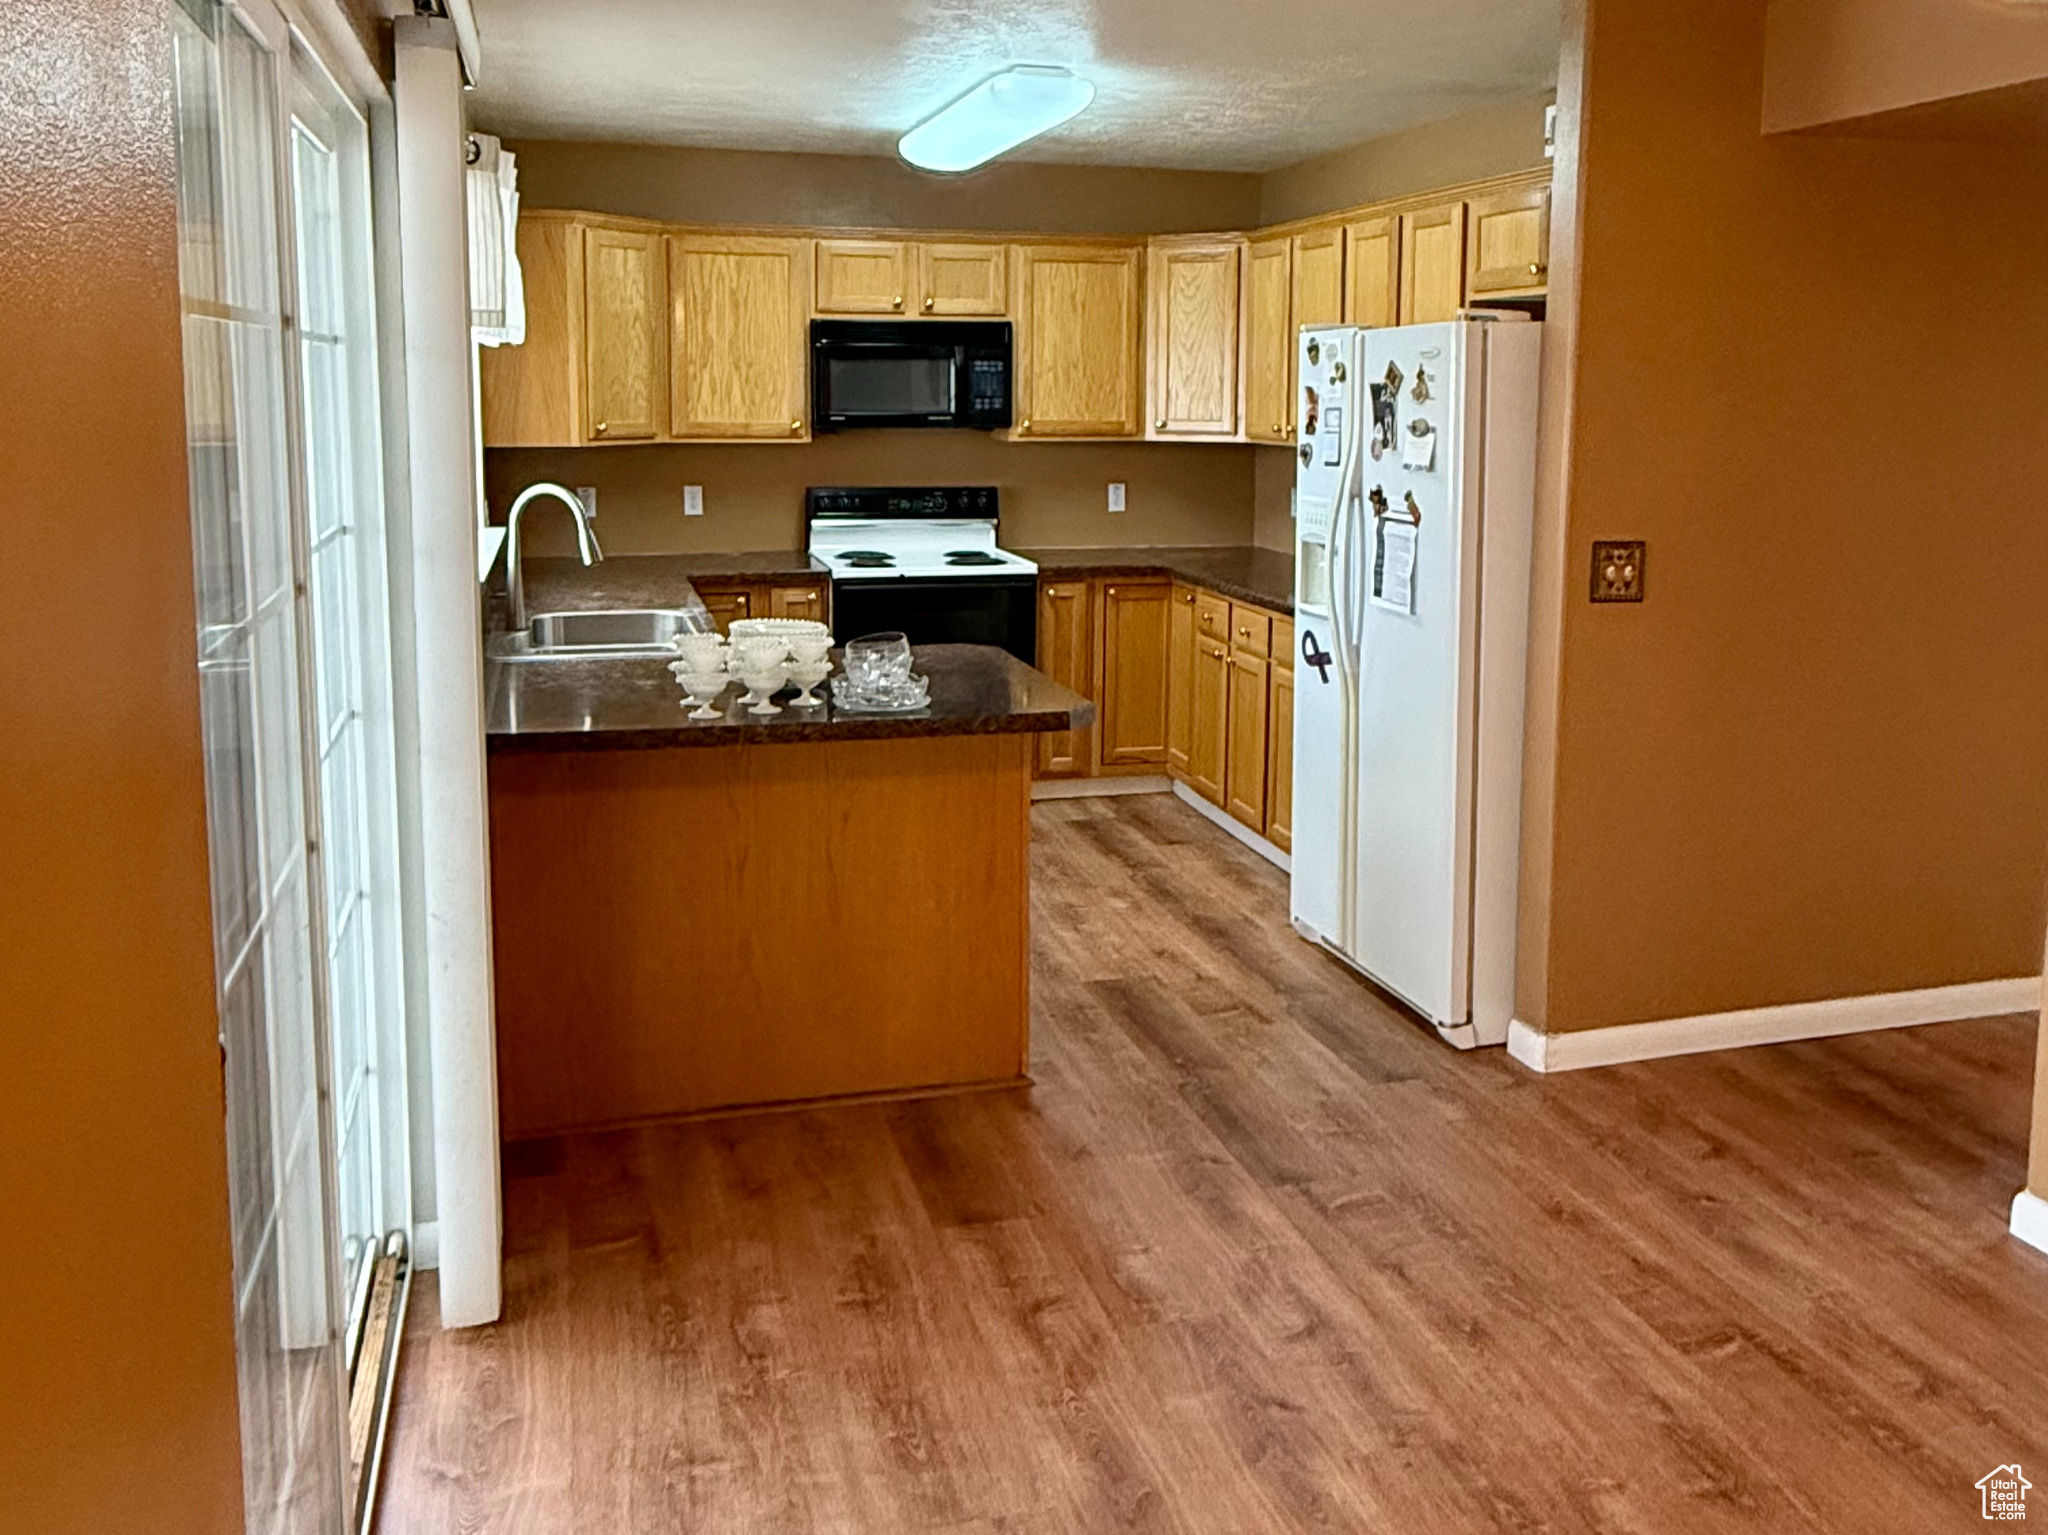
pixel 704 689
pixel 701 652
pixel 807 675
pixel 764 679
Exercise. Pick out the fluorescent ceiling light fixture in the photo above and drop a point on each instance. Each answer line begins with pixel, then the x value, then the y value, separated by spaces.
pixel 995 117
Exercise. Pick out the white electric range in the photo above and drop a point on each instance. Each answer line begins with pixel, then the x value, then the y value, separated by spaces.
pixel 923 560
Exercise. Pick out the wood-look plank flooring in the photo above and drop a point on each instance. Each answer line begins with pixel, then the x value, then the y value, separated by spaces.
pixel 1256 1254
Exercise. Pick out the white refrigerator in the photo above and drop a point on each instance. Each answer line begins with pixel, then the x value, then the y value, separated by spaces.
pixel 1413 520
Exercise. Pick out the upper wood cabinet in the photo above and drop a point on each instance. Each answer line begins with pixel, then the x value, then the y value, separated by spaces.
pixel 1066 652
pixel 1372 270
pixel 962 278
pixel 1269 342
pixel 1508 243
pixel 533 392
pixel 1432 264
pixel 1135 622
pixel 1192 337
pixel 1318 277
pixel 737 338
pixel 1077 341
pixel 862 276
pixel 622 329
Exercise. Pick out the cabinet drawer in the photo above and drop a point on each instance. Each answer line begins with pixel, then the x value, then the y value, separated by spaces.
pixel 1251 630
pixel 1212 618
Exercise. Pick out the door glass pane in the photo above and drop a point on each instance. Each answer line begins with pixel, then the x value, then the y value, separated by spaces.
pixel 238 412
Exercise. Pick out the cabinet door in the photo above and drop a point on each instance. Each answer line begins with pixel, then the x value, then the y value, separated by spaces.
pixel 797 602
pixel 737 352
pixel 1280 756
pixel 1269 343
pixel 726 603
pixel 1135 623
pixel 622 362
pixel 1077 346
pixel 533 393
pixel 1065 652
pixel 1372 269
pixel 1319 277
pixel 862 276
pixel 1210 713
pixel 1180 681
pixel 961 279
pixel 1193 335
pixel 1508 234
pixel 1245 761
pixel 1432 264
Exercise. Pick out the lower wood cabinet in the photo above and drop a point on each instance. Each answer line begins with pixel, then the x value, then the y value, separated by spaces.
pixel 1280 738
pixel 1180 679
pixel 1244 770
pixel 798 601
pixel 1066 654
pixel 735 599
pixel 1208 718
pixel 1231 701
pixel 1108 640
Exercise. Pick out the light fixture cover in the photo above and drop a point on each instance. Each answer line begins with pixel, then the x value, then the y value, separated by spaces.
pixel 995 117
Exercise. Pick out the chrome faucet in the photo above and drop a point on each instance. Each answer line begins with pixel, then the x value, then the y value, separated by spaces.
pixel 515 569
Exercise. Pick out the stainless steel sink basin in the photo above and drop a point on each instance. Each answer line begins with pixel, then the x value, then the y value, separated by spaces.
pixel 617 632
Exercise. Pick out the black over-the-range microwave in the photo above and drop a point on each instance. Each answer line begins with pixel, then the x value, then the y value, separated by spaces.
pixel 922 373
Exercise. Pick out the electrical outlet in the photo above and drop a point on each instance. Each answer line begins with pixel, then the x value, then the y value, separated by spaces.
pixel 587 494
pixel 693 500
pixel 1116 495
pixel 1618 571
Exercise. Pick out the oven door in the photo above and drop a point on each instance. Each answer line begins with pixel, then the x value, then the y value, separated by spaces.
pixel 994 610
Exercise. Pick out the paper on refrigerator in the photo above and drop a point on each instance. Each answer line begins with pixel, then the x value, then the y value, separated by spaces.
pixel 1393 563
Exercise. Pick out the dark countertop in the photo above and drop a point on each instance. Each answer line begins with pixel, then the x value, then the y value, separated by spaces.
pixel 559 585
pixel 634 704
pixel 1244 572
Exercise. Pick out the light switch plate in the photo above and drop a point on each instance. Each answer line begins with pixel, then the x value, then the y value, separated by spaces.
pixel 1116 495
pixel 693 500
pixel 587 494
pixel 1618 570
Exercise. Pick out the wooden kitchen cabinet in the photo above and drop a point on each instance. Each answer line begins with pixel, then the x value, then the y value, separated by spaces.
pixel 726 603
pixel 1280 738
pixel 1180 679
pixel 1076 346
pixel 862 276
pixel 1244 778
pixel 738 345
pixel 533 392
pixel 1131 716
pixel 1508 244
pixel 808 601
pixel 1432 264
pixel 1269 342
pixel 1192 336
pixel 962 279
pixel 1066 651
pixel 1372 271
pixel 1208 718
pixel 1318 290
pixel 623 353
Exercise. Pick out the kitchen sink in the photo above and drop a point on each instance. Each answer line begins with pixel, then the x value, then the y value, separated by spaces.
pixel 583 636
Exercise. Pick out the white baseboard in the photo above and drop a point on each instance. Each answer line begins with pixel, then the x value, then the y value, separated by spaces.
pixel 2030 1219
pixel 1096 788
pixel 426 1245
pixel 1574 1051
pixel 1235 827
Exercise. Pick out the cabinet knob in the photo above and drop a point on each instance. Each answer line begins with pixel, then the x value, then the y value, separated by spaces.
pixel 603 427
pixel 928 304
pixel 1026 423
pixel 898 301
pixel 796 426
pixel 1535 269
pixel 1160 425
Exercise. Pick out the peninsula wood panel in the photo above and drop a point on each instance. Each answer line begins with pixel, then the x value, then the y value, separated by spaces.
pixel 622 334
pixel 1077 341
pixel 961 278
pixel 1318 277
pixel 737 338
pixel 862 276
pixel 532 394
pixel 1193 337
pixel 728 926
pixel 1372 271
pixel 1135 622
pixel 1432 264
pixel 1269 342
pixel 1507 236
pixel 1066 652
pixel 1180 680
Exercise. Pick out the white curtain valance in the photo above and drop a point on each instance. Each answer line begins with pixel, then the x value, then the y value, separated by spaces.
pixel 497 295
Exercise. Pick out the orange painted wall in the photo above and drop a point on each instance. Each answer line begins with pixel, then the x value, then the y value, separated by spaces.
pixel 1834 61
pixel 117 1370
pixel 1812 373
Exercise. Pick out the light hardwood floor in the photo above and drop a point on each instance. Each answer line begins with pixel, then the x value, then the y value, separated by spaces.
pixel 1255 1254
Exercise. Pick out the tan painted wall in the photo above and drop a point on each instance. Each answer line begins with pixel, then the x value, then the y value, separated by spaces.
pixel 1053 493
pixel 1835 61
pixel 1815 762
pixel 117 1391
pixel 719 186
pixel 1273 497
pixel 1491 141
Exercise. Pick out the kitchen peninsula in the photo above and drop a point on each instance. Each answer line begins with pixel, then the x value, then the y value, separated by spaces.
pixel 699 915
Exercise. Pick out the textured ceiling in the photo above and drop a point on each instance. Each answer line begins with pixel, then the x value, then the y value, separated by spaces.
pixel 1200 84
